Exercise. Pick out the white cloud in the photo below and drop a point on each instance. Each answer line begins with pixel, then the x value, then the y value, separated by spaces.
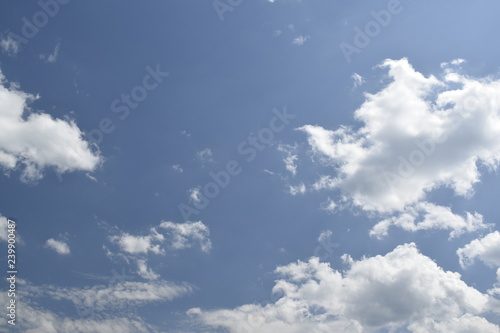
pixel 114 296
pixel 184 235
pixel 146 272
pixel 358 80
pixel 418 133
pixel 10 46
pixel 403 123
pixel 432 217
pixel 455 62
pixel 40 320
pixel 194 194
pixel 137 244
pixel 291 159
pixel 298 189
pixel 166 236
pixel 277 33
pixel 403 289
pixel 300 40
pixel 177 168
pixel 329 205
pixel 205 156
pixel 324 236
pixel 51 58
pixel 486 249
pixel 176 236
pixel 58 246
pixel 35 140
pixel 102 308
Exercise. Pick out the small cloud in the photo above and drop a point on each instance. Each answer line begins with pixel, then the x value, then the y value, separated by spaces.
pixel 58 246
pixel 277 33
pixel 167 236
pixel 146 272
pixel 300 40
pixel 269 172
pixel 10 46
pixel 194 194
pixel 358 80
pixel 299 189
pixel 291 159
pixel 185 133
pixel 177 168
pixel 89 176
pixel 205 156
pixel 185 235
pixel 347 259
pixel 51 58
pixel 329 205
pixel 325 236
pixel 454 62
pixel 457 61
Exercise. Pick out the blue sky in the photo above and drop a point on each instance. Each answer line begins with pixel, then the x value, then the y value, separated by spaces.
pixel 355 146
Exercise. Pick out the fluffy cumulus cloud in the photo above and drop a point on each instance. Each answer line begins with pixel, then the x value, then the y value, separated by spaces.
pixel 58 246
pixel 32 141
pixel 417 134
pixel 167 236
pixel 401 290
pixel 139 244
pixel 486 249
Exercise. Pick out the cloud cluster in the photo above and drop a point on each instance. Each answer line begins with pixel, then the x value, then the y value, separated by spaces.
pixel 33 141
pixel 403 289
pixel 418 133
pixel 166 236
